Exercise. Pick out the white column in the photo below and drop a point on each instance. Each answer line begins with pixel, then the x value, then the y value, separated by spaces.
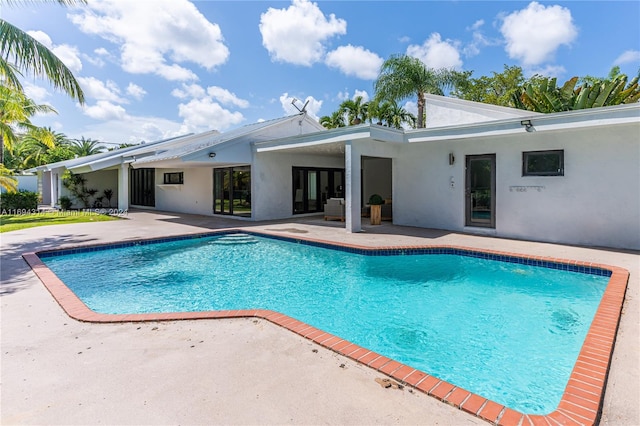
pixel 123 187
pixel 56 185
pixel 352 163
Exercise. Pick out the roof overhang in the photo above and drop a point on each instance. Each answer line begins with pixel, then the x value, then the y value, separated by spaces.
pixel 331 141
pixel 570 120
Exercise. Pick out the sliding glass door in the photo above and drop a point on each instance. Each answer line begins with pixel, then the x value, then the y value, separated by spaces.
pixel 313 186
pixel 232 191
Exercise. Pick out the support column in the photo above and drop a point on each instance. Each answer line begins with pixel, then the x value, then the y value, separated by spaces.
pixel 56 186
pixel 353 176
pixel 123 187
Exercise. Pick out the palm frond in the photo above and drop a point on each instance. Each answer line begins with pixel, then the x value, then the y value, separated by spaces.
pixel 32 56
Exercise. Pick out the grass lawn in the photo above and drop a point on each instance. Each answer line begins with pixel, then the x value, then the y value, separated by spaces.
pixel 11 222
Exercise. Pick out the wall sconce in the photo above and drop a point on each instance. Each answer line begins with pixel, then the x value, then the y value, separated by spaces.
pixel 212 155
pixel 452 159
pixel 528 126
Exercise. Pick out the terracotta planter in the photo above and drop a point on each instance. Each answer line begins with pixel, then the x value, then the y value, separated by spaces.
pixel 375 214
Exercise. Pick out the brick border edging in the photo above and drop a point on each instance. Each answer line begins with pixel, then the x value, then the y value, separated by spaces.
pixel 581 402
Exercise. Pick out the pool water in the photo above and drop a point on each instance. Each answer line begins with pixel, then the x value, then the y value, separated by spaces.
pixel 506 331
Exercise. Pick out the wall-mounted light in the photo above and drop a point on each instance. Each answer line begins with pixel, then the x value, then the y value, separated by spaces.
pixel 528 125
pixel 212 155
pixel 452 159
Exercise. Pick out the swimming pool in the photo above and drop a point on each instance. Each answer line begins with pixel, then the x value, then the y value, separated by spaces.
pixel 511 334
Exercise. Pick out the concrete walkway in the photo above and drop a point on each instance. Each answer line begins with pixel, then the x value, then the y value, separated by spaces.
pixel 56 370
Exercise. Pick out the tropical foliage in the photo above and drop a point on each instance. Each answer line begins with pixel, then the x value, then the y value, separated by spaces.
pixel 333 121
pixel 403 76
pixel 31 56
pixel 22 54
pixel 356 110
pixel 83 147
pixel 542 94
pixel 497 89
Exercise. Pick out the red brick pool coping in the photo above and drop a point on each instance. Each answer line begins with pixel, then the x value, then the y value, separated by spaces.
pixel 580 404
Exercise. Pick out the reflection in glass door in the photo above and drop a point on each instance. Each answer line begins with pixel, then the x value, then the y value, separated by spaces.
pixel 313 186
pixel 221 191
pixel 232 191
pixel 480 193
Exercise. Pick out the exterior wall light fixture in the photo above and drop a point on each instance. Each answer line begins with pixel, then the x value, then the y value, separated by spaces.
pixel 212 155
pixel 528 126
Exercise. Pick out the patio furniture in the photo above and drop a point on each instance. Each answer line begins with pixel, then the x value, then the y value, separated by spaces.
pixel 334 209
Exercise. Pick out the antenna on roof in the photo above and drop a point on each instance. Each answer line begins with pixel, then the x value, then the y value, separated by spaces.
pixel 304 107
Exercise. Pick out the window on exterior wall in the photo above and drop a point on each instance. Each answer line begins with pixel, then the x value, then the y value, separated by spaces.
pixel 543 163
pixel 176 178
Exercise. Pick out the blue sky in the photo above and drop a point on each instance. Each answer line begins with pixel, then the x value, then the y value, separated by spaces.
pixel 155 69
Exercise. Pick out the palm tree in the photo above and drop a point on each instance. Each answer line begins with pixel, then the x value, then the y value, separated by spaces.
pixel 33 57
pixel 16 109
pixel 403 76
pixel 333 121
pixel 83 147
pixel 395 116
pixel 6 181
pixel 355 109
pixel 37 145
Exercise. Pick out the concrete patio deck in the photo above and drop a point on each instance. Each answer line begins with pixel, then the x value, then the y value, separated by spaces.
pixel 56 370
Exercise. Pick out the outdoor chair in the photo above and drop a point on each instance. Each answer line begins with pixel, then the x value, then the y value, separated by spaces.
pixel 334 209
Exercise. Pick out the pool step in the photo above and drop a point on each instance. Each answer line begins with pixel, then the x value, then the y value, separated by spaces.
pixel 236 239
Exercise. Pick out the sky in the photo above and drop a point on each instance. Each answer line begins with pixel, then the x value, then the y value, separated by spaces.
pixel 162 68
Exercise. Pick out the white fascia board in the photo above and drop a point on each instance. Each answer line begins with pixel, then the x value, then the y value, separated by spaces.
pixel 386 134
pixel 607 116
pixel 312 139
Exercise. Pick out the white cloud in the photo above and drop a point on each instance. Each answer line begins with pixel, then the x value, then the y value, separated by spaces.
pixel 155 36
pixel 363 93
pixel 98 89
pixel 313 107
pixel 535 33
pixel 42 37
pixel 297 34
pixel 547 71
pixel 355 61
pixel 136 91
pixel 204 114
pixel 38 94
pixel 105 110
pixel 130 129
pixel 189 91
pixel 436 53
pixel 69 55
pixel 478 41
pixel 476 25
pixel 627 57
pixel 226 97
pixel 343 96
pixel 411 107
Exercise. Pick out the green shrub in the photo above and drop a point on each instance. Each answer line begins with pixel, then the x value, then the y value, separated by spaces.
pixel 21 200
pixel 65 202
pixel 376 199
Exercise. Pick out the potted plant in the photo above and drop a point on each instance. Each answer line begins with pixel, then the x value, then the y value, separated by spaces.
pixel 375 201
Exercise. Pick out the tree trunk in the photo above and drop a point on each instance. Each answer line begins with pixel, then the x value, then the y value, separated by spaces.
pixel 421 102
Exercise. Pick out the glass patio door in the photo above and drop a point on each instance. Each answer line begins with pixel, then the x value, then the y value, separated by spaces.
pixel 222 191
pixel 480 191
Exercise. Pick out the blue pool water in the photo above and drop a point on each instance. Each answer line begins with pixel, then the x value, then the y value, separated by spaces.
pixel 508 332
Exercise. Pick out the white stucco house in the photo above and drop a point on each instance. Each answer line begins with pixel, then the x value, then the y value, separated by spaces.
pixel 570 177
